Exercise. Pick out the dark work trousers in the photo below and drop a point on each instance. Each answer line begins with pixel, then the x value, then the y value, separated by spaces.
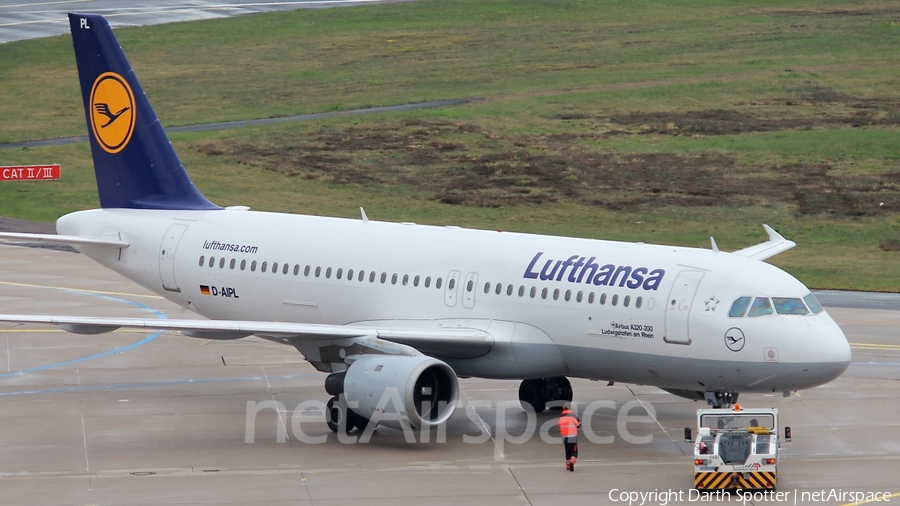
pixel 571 444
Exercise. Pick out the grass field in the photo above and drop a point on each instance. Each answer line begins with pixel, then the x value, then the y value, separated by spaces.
pixel 650 121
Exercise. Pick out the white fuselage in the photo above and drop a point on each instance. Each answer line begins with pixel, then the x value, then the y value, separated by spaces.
pixel 658 316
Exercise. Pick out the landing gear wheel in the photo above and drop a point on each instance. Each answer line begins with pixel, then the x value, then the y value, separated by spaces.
pixel 337 415
pixel 532 394
pixel 558 391
pixel 359 422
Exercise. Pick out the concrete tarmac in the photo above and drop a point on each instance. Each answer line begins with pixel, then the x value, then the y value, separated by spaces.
pixel 31 19
pixel 160 419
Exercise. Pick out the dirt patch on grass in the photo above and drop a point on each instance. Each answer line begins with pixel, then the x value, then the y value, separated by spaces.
pixel 467 164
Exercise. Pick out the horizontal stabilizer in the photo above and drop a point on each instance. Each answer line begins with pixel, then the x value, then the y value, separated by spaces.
pixel 775 245
pixel 63 239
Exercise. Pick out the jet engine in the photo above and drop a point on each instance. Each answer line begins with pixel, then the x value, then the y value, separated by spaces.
pixel 393 390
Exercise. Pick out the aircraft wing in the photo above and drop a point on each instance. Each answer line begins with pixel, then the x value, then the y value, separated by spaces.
pixel 114 242
pixel 455 342
pixel 775 245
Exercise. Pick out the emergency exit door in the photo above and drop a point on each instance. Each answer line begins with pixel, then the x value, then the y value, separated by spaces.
pixel 167 257
pixel 678 307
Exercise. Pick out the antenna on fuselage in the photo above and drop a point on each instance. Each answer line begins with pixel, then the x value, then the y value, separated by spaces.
pixel 715 246
pixel 364 217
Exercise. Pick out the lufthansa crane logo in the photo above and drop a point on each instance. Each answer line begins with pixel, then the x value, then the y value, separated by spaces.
pixel 734 339
pixel 112 112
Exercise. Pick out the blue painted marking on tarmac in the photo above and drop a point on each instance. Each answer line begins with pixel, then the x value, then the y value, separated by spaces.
pixel 151 337
pixel 83 359
pixel 124 386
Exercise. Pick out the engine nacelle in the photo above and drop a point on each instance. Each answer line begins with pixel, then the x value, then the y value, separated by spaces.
pixel 391 389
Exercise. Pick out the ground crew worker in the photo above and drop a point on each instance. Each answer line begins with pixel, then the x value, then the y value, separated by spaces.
pixel 568 429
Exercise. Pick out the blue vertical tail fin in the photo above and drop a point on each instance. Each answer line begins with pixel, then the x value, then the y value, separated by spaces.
pixel 135 164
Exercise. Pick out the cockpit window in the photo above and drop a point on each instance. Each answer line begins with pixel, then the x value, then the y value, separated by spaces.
pixel 813 304
pixel 785 305
pixel 739 308
pixel 761 307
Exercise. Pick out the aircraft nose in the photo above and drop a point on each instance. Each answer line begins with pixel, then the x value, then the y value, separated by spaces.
pixel 826 347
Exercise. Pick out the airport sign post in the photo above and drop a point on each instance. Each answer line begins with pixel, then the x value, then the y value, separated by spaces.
pixel 29 172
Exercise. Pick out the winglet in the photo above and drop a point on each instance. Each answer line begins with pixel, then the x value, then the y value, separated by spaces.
pixel 775 245
pixel 135 164
pixel 773 235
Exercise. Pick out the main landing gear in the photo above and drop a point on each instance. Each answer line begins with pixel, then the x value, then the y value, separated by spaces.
pixel 340 417
pixel 537 394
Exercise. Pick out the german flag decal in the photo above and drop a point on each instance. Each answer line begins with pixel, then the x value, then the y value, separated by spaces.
pixel 204 289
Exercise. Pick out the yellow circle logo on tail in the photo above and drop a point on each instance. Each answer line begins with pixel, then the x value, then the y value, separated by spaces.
pixel 112 112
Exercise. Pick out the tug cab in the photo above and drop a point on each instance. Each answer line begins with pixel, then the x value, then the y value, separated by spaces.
pixel 736 449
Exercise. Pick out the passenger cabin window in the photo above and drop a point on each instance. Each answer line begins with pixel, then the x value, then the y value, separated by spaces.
pixel 416 281
pixel 437 284
pixel 627 300
pixel 306 270
pixel 296 270
pixel 451 284
pixel 274 267
pixel 262 268
pixel 253 267
pixel 362 276
pixel 284 270
pixel 202 258
pixel 487 288
pixel 427 281
pixel 761 307
pixel 637 302
pixel 406 280
pixel 602 299
pixel 739 308
pixel 498 289
pixel 813 304
pixel 318 271
pixel 785 305
pixel 615 299
pixel 212 261
pixel 243 264
pixel 591 298
pixel 521 290
pixel 372 277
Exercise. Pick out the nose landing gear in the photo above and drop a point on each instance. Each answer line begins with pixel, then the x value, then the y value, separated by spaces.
pixel 537 394
pixel 723 400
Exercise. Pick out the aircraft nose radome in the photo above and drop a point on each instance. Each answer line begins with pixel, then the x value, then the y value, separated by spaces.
pixel 827 346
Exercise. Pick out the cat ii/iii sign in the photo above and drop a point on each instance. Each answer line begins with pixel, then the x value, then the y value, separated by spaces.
pixel 29 172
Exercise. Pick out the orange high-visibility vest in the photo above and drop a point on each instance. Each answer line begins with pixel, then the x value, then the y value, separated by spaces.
pixel 568 424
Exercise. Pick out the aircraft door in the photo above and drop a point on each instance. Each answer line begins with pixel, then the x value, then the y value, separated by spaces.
pixel 678 307
pixel 167 256
pixel 450 288
pixel 469 289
